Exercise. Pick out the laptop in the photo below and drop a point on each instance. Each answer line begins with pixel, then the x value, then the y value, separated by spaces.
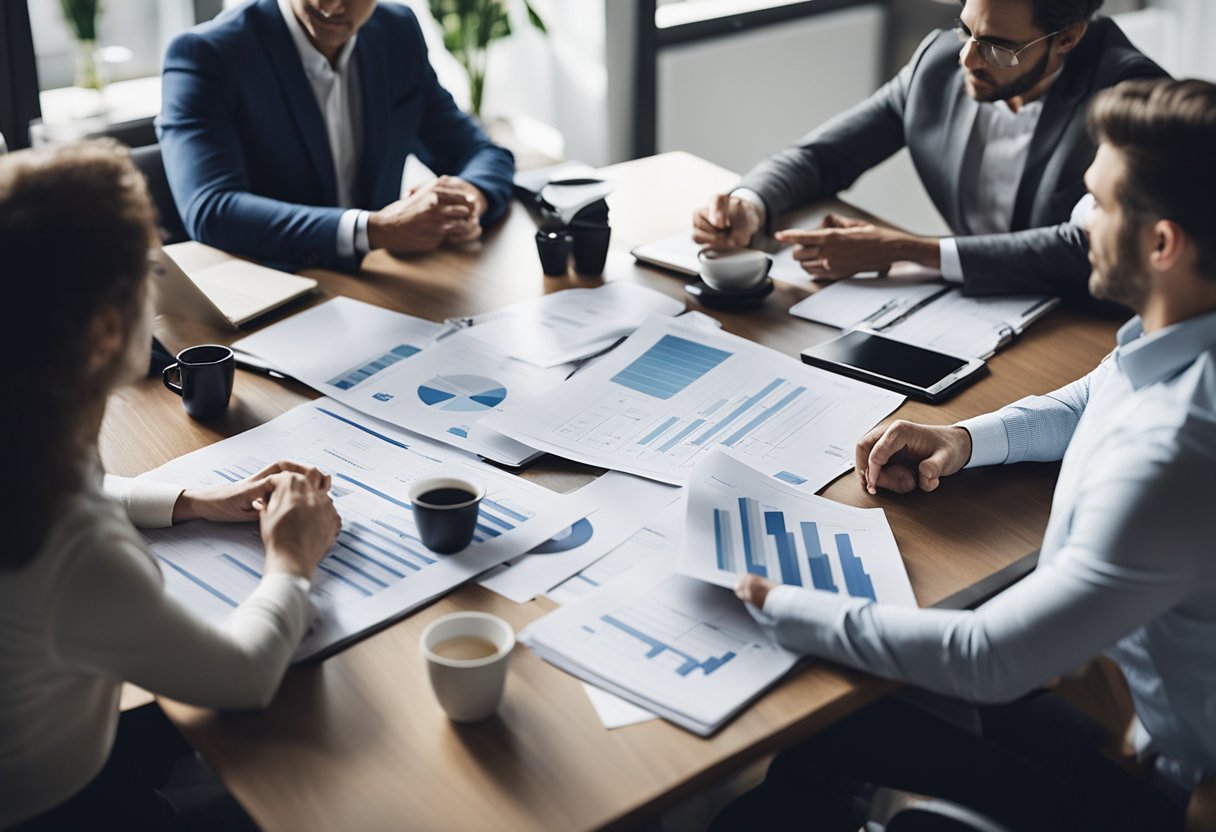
pixel 204 284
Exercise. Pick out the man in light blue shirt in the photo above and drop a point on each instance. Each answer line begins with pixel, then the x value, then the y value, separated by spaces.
pixel 1127 565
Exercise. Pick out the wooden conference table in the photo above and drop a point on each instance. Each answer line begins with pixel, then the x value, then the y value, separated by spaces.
pixel 358 742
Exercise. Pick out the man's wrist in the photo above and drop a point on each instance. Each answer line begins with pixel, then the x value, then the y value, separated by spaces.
pixel 923 250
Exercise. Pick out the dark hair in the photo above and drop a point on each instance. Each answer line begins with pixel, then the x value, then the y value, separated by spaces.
pixel 1054 15
pixel 1165 130
pixel 75 229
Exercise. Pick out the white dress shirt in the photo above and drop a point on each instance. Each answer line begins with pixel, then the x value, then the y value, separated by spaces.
pixel 340 98
pixel 1126 564
pixel 90 612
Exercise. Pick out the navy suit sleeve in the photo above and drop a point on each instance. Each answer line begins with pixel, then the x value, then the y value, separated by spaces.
pixel 453 144
pixel 207 171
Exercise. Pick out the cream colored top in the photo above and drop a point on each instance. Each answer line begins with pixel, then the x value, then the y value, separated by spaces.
pixel 89 613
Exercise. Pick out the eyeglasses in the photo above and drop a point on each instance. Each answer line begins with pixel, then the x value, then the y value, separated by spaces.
pixel 994 54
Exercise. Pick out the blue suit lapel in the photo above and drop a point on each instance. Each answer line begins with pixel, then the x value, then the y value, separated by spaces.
pixel 370 54
pixel 299 95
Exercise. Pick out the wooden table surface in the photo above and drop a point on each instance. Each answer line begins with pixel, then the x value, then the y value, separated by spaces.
pixel 358 742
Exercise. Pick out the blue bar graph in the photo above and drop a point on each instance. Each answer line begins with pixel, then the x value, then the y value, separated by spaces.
pixel 461 432
pixel 226 475
pixel 658 647
pixel 358 570
pixel 334 573
pixel 498 521
pixel 786 476
pixel 658 431
pixel 713 408
pixel 248 570
pixel 763 417
pixel 363 428
pixel 350 378
pixel 725 542
pixel 753 543
pixel 679 437
pixel 747 404
pixel 377 492
pixel 669 367
pixel 197 581
pixel 352 539
pixel 501 509
pixel 413 551
pixel 787 550
pixel 821 567
pixel 856 579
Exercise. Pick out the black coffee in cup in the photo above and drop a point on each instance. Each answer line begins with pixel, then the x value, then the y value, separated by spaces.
pixel 205 375
pixel 446 509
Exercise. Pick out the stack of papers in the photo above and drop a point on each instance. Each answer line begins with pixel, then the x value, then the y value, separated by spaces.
pixel 671 642
pixel 570 325
pixel 378 570
pixel 934 315
pixel 673 391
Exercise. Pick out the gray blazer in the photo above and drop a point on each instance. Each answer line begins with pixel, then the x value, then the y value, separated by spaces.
pixel 927 109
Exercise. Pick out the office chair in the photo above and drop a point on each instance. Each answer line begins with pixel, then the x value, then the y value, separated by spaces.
pixel 148 160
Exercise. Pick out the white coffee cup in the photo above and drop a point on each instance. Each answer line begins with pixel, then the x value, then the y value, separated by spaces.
pixel 733 271
pixel 468 690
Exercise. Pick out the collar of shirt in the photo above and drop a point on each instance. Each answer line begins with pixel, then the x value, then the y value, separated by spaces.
pixel 316 65
pixel 1148 358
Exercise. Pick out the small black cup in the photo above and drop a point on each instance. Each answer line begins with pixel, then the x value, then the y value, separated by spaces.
pixel 554 250
pixel 446 511
pixel 205 379
pixel 590 248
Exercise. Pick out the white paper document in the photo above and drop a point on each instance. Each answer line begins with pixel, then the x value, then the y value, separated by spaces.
pixel 614 711
pixel 573 324
pixel 443 391
pixel 867 301
pixel 971 327
pixel 341 344
pixel 681 648
pixel 740 521
pixel 656 545
pixel 930 314
pixel 378 570
pixel 671 392
pixel 617 506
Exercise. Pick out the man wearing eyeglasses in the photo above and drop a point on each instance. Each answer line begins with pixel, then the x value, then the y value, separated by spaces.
pixel 996 131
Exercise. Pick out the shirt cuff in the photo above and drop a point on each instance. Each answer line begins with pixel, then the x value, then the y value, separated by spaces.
pixel 362 244
pixel 1081 211
pixel 748 195
pixel 989 440
pixel 952 265
pixel 348 226
pixel 148 503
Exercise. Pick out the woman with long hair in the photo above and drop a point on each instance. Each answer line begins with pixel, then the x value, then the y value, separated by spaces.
pixel 82 602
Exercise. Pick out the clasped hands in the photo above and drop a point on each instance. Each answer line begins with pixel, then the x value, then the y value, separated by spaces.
pixel 900 457
pixel 839 248
pixel 444 211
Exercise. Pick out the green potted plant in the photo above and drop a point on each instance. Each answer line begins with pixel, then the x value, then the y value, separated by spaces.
pixel 469 27
pixel 81 17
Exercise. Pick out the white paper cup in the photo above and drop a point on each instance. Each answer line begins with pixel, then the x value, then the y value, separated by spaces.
pixel 732 271
pixel 468 690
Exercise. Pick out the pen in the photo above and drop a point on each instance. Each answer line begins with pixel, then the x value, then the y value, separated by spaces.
pixel 262 370
pixel 921 304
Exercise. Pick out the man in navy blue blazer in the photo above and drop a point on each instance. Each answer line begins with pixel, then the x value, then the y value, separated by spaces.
pixel 285 128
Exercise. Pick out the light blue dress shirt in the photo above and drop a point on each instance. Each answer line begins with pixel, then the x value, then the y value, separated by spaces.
pixel 1127 566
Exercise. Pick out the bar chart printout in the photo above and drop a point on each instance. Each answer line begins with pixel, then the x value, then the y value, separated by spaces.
pixel 679 647
pixel 378 569
pixel 741 521
pixel 672 393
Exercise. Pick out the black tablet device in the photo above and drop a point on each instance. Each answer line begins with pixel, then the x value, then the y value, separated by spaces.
pixel 914 371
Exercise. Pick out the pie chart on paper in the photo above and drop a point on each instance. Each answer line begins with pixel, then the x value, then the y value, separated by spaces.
pixel 462 393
